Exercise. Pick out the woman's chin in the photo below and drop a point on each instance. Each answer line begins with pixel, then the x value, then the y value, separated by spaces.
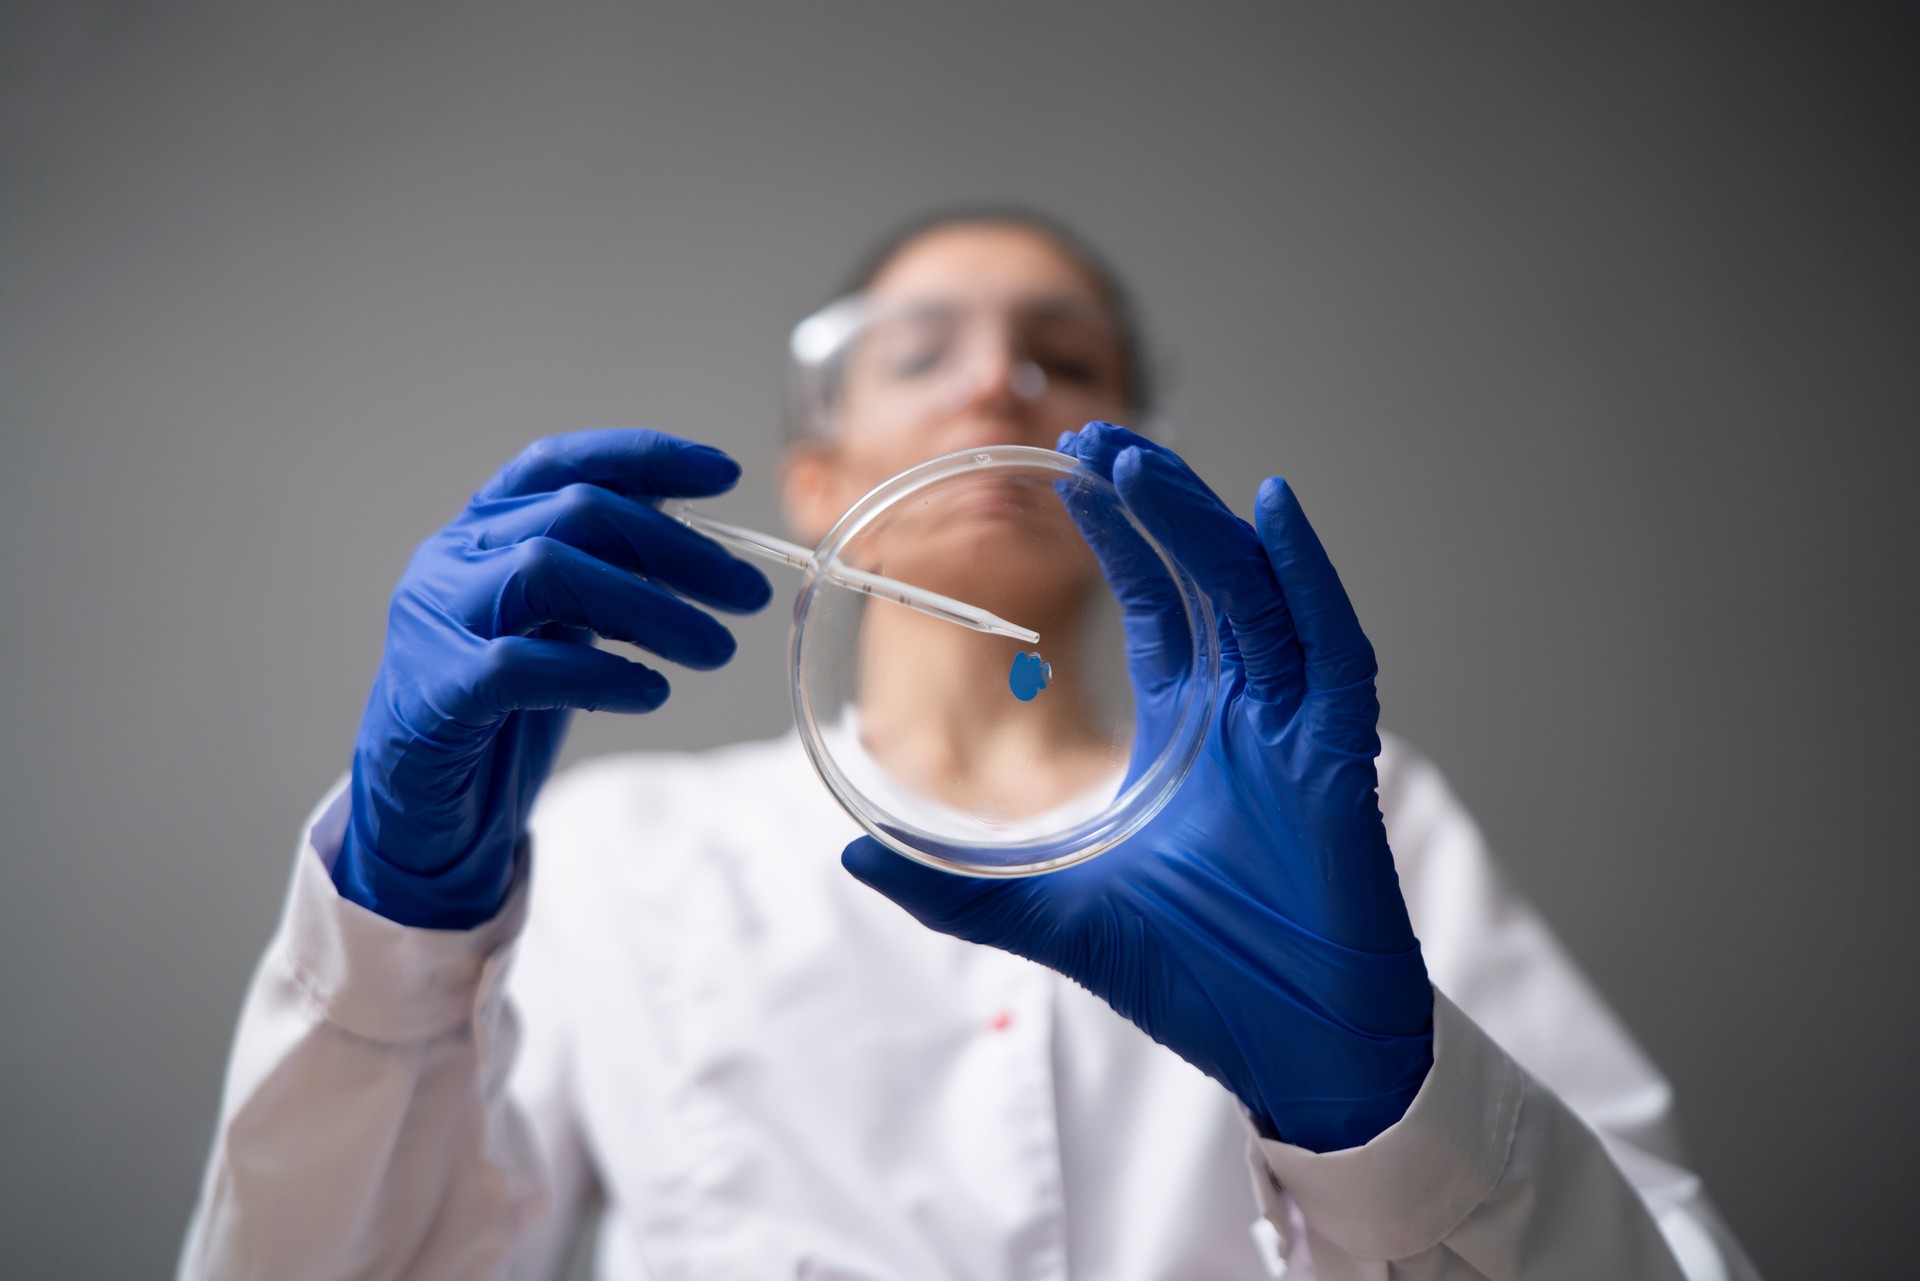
pixel 997 571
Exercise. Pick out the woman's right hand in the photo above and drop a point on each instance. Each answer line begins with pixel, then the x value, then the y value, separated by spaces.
pixel 489 648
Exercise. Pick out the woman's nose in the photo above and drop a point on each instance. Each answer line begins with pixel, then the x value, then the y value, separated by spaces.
pixel 1001 377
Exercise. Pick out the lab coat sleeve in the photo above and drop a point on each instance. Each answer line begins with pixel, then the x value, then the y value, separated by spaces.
pixel 367 1126
pixel 1542 1142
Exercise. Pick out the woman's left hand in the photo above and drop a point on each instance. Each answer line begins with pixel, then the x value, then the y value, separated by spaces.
pixel 1255 926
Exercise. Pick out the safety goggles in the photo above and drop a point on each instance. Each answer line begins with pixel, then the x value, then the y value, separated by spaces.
pixel 900 363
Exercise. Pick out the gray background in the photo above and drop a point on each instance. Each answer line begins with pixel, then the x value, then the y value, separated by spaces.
pixel 1587 336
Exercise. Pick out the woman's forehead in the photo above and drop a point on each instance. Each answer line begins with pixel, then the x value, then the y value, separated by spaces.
pixel 984 259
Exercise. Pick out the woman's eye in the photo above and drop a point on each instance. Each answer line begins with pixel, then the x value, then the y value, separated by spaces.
pixel 1073 353
pixel 920 359
pixel 915 346
pixel 1067 369
pixel 1072 363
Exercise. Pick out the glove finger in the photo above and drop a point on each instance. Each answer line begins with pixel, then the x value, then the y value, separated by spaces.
pixel 542 580
pixel 943 901
pixel 631 461
pixel 1224 555
pixel 1152 610
pixel 1336 651
pixel 1098 446
pixel 628 534
pixel 527 673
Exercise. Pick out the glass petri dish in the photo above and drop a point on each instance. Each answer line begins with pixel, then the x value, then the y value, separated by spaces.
pixel 985 755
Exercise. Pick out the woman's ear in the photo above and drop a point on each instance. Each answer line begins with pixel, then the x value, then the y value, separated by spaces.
pixel 809 492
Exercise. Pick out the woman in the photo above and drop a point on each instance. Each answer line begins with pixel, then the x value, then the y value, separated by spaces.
pixel 765 1068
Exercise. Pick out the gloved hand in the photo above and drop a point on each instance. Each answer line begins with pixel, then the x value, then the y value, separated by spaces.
pixel 489 646
pixel 1255 926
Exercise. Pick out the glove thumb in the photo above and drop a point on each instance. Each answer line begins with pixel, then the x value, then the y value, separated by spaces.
pixel 968 907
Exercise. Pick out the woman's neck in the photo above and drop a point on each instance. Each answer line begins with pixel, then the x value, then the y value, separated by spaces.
pixel 936 712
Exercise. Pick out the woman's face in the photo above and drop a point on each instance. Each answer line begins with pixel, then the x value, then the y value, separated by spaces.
pixel 982 334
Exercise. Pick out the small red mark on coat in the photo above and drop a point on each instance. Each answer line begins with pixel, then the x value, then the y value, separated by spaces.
pixel 1001 1021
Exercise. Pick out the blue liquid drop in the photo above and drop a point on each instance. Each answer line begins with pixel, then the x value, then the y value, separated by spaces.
pixel 1029 676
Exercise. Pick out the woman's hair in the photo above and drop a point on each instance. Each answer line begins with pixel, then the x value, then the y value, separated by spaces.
pixel 1113 291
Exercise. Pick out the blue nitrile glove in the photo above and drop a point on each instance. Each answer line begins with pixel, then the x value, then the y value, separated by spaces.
pixel 489 646
pixel 1255 926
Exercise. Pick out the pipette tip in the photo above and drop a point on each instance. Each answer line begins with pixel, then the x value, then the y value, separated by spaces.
pixel 1001 627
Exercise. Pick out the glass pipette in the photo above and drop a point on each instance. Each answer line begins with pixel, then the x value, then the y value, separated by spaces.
pixel 859 580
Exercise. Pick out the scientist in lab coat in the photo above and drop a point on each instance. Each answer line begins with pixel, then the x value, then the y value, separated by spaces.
pixel 1297 1025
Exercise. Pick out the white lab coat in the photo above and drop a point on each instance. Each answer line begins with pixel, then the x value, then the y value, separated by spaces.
pixel 767 1070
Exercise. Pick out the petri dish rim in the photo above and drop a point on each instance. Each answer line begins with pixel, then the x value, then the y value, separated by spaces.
pixel 1136 804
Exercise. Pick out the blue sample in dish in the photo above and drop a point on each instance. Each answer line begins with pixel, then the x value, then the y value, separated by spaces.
pixel 1029 675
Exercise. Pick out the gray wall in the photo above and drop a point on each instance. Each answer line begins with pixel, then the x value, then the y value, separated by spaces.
pixel 1588 338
